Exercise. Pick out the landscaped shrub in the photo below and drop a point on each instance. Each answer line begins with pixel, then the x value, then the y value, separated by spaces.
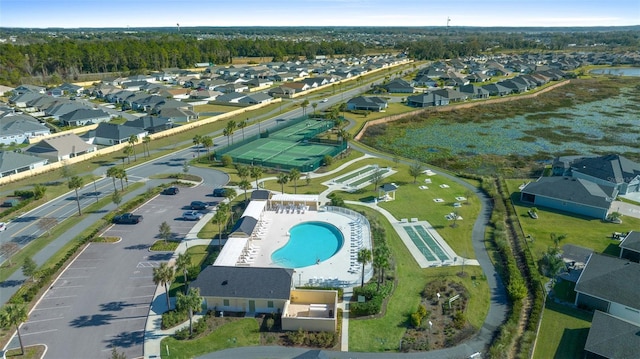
pixel 297 337
pixel 173 317
pixel 323 339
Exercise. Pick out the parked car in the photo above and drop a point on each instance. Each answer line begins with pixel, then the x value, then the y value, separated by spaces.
pixel 127 218
pixel 199 205
pixel 3 226
pixel 171 191
pixel 220 192
pixel 192 216
pixel 10 202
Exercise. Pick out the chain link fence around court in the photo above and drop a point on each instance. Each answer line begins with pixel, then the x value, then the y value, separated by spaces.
pixel 288 145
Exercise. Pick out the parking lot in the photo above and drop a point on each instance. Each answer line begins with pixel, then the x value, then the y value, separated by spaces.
pixel 102 298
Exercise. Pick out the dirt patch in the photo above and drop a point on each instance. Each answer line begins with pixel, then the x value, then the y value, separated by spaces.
pixel 444 325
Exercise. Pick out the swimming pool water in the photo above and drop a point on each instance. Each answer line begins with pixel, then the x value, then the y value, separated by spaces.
pixel 309 242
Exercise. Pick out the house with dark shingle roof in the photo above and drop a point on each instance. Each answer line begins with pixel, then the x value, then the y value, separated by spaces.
pixel 427 99
pixel 613 170
pixel 151 124
pixel 367 103
pixel 398 86
pixel 611 337
pixel 84 116
pixel 20 128
pixel 611 285
pixel 245 289
pixel 630 247
pixel 256 98
pixel 572 195
pixel 12 163
pixel 108 134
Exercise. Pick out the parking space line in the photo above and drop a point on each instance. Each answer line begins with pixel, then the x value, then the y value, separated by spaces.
pixel 43 320
pixel 61 297
pixel 52 308
pixel 78 277
pixel 81 268
pixel 66 286
pixel 44 331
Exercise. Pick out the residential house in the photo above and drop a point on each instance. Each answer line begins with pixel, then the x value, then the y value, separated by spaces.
pixel 630 246
pixel 12 163
pixel 57 110
pixel 108 134
pixel 398 86
pixel 366 103
pixel 572 195
pixel 259 82
pixel 178 94
pixel 233 87
pixel 205 95
pixel 83 117
pixel 151 124
pixel 427 99
pixel 497 89
pixel 232 97
pixel 297 86
pixel 451 94
pixel 29 89
pixel 611 337
pixel 424 81
pixel 21 100
pixel 133 85
pixel 18 129
pixel 257 98
pixel 281 91
pixel 611 285
pixel 474 92
pixel 70 89
pixel 61 147
pixel 613 170
pixel 178 114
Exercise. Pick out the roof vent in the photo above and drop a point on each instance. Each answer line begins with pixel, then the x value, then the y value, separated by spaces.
pixel 225 282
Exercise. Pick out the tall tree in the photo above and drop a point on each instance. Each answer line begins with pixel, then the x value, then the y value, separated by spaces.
pixel 304 105
pixel 29 267
pixel 164 275
pixel 121 174
pixel 207 143
pixel 197 140
pixel 128 151
pixel 364 257
pixel 376 177
pixel 380 263
pixel 75 183
pixel 191 302
pixel 244 185
pixel 165 231
pixel 282 180
pixel 294 175
pixel 13 315
pixel 133 139
pixel 113 173
pixel 116 198
pixel 183 262
pixel 242 125
pixel 557 238
pixel 243 171
pixel 220 218
pixel 415 170
pixel 256 172
pixel 145 141
pixel 314 105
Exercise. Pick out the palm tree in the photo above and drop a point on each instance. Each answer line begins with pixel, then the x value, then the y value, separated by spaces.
pixel 145 141
pixel 192 301
pixel 415 170
pixel 282 180
pixel 207 142
pixel 121 174
pixel 364 257
pixel 76 182
pixel 344 135
pixel 197 140
pixel 557 238
pixel 165 231
pixel 221 217
pixel 244 185
pixel 128 151
pixel 183 262
pixel 113 173
pixel 304 105
pixel 294 175
pixel 228 131
pixel 242 125
pixel 256 172
pixel 164 275
pixel 381 262
pixel 243 171
pixel 13 315
pixel 343 108
pixel 314 105
pixel 133 139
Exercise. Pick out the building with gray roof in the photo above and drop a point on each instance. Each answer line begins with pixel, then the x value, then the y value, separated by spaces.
pixel 612 337
pixel 12 163
pixel 61 147
pixel 614 170
pixel 630 247
pixel 20 128
pixel 82 117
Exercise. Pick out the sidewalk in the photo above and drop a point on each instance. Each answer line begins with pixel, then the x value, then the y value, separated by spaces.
pixel 153 333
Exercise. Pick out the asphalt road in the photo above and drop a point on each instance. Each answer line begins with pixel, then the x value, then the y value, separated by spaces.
pixel 102 298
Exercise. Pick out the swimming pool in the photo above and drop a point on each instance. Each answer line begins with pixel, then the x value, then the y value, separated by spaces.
pixel 309 243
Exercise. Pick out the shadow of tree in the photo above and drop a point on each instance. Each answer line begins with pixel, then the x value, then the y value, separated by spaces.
pixel 138 247
pixel 91 320
pixel 11 283
pixel 127 339
pixel 113 306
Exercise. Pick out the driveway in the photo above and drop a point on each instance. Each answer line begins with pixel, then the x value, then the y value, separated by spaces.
pixel 102 298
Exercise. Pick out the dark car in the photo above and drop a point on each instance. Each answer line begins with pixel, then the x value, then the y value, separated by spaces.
pixel 219 192
pixel 199 205
pixel 171 190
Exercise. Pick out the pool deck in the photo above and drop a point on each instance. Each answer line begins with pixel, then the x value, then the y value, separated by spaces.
pixel 331 272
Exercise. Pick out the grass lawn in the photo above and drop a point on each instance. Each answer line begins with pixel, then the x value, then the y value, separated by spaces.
pixel 384 334
pixel 563 332
pixel 236 333
pixel 583 231
pixel 564 290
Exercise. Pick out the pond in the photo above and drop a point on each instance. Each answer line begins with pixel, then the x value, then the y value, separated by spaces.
pixel 618 71
pixel 609 125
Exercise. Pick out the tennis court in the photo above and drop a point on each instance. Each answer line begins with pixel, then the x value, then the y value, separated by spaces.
pixel 287 147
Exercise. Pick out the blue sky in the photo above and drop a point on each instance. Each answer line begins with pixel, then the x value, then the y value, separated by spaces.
pixel 161 13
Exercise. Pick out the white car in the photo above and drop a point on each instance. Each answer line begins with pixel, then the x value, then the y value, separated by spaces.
pixel 325 100
pixel 3 226
pixel 192 216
